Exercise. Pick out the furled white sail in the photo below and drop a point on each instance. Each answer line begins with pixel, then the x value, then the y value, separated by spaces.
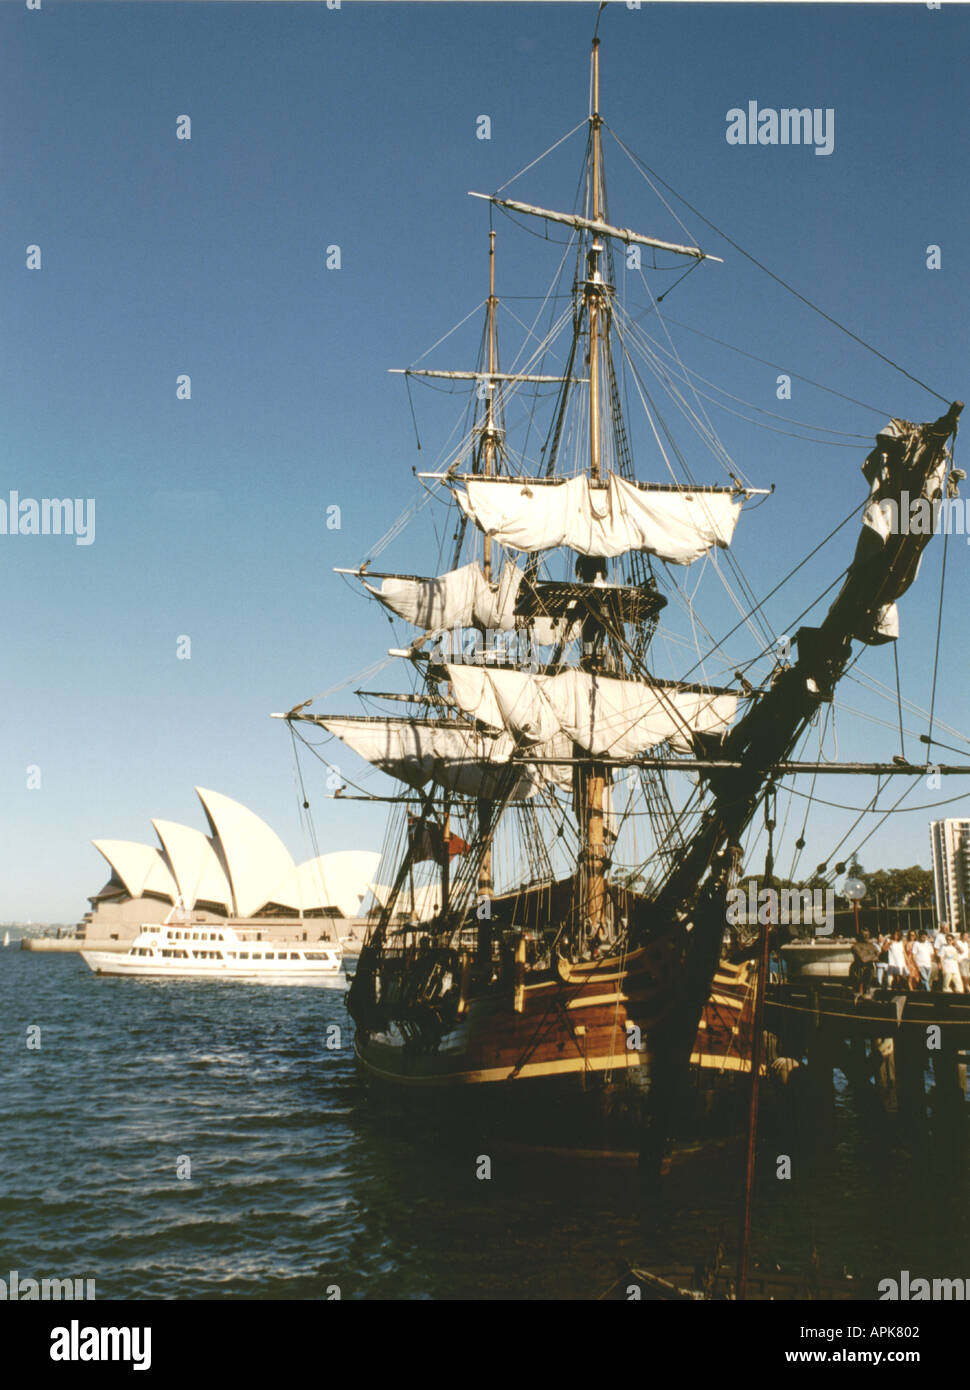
pixel 460 759
pixel 463 598
pixel 606 716
pixel 600 519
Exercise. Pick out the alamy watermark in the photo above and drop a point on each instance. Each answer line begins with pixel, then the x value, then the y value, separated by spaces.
pixel 915 1290
pixel 48 516
pixel 77 1343
pixel 814 907
pixel 918 516
pixel 26 1290
pixel 807 125
pixel 493 647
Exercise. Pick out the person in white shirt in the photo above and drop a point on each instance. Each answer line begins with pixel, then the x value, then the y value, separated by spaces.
pixel 924 955
pixel 950 961
pixel 939 941
pixel 897 959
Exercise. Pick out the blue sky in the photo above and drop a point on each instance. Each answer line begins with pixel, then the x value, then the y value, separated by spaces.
pixel 357 127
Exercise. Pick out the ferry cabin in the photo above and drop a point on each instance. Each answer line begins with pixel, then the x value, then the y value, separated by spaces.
pixel 219 949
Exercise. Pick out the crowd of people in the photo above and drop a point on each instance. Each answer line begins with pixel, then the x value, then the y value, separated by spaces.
pixel 919 960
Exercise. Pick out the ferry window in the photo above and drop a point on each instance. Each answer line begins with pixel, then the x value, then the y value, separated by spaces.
pixel 270 955
pixel 294 955
pixel 314 955
pixel 244 955
pixel 182 954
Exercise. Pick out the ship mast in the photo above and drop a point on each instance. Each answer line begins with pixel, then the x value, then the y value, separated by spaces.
pixel 592 779
pixel 488 452
pixel 489 434
pixel 594 294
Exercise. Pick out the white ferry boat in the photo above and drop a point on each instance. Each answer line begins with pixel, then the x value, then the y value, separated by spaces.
pixel 218 953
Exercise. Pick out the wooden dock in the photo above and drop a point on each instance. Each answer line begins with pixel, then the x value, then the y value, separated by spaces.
pixel 888 1037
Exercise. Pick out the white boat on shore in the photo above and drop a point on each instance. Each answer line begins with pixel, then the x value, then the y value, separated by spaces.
pixel 171 950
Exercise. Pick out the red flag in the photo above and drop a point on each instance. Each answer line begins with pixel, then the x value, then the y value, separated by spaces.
pixel 456 845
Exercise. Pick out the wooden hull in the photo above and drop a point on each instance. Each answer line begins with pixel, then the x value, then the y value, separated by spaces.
pixel 599 1020
pixel 603 1057
pixel 723 1044
pixel 581 1027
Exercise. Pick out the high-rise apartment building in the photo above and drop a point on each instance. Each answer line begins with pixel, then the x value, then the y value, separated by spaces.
pixel 951 872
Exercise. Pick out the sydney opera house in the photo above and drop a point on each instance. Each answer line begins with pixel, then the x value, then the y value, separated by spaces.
pixel 239 873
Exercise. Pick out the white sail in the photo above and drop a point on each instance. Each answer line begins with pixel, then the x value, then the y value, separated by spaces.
pixel 600 519
pixel 461 760
pixel 607 717
pixel 464 598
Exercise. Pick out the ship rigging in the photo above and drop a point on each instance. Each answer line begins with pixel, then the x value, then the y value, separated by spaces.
pixel 569 821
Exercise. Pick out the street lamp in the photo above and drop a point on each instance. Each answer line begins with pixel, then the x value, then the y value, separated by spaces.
pixel 855 890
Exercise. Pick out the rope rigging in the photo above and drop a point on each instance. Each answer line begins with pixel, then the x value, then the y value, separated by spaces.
pixel 645 170
pixel 568 439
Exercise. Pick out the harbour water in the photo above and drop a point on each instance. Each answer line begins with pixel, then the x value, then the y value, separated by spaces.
pixel 302 1181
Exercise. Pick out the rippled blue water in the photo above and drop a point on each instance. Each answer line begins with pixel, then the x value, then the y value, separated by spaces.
pixel 301 1178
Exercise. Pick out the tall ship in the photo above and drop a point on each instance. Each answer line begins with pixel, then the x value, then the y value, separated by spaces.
pixel 566 819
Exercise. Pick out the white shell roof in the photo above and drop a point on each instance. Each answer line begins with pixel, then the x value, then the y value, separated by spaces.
pixel 196 864
pixel 339 880
pixel 255 856
pixel 427 899
pixel 243 866
pixel 141 868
